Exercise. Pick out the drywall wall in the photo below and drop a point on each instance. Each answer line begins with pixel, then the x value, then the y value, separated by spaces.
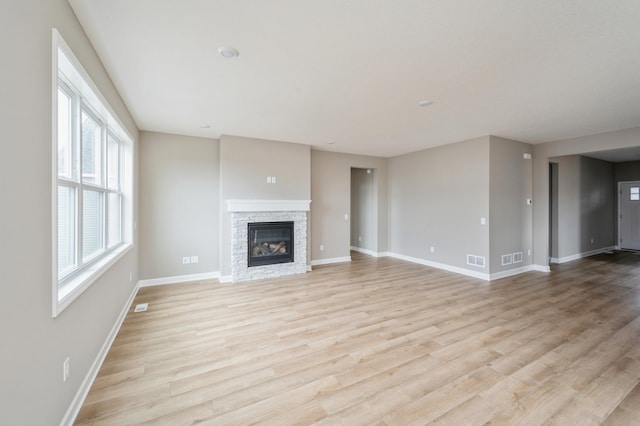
pixel 585 205
pixel 437 198
pixel 180 204
pixel 331 201
pixel 542 152
pixel 363 208
pixel 34 345
pixel 245 164
pixel 510 217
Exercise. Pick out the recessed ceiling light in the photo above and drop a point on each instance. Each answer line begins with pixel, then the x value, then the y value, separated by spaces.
pixel 205 126
pixel 330 142
pixel 425 103
pixel 228 52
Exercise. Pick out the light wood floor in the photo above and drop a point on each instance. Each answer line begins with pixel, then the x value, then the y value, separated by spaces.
pixel 382 341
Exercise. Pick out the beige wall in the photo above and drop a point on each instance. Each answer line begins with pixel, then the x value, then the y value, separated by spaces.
pixel 34 345
pixel 510 217
pixel 245 164
pixel 437 198
pixel 180 204
pixel 331 200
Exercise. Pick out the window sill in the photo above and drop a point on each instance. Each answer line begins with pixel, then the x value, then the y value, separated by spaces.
pixel 63 296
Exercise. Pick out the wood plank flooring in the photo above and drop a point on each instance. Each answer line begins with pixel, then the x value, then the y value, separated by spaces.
pixel 382 341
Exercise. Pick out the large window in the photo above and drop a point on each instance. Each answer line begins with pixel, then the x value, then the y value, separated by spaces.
pixel 92 187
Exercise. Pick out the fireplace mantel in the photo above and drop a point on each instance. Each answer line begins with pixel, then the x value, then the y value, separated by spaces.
pixel 268 205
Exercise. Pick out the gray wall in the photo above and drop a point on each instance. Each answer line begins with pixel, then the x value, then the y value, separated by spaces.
pixel 585 205
pixel 510 217
pixel 245 164
pixel 34 345
pixel 363 208
pixel 180 204
pixel 542 152
pixel 437 198
pixel 331 195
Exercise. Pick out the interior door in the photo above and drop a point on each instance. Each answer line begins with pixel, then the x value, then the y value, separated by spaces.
pixel 629 215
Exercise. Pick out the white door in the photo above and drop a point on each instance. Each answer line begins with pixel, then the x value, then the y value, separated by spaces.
pixel 629 215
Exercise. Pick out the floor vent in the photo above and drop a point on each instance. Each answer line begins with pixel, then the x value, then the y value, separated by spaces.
pixel 141 307
pixel 475 260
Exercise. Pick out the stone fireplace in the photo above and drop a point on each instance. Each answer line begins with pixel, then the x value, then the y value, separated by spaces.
pixel 271 245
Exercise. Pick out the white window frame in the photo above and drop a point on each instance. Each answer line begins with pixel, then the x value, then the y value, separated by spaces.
pixel 69 75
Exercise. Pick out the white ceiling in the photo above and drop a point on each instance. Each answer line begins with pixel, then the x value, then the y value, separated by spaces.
pixel 353 72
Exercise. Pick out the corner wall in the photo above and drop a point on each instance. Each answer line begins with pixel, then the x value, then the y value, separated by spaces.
pixel 180 204
pixel 437 198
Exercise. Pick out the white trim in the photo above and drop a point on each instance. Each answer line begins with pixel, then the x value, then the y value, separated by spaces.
pixel 510 272
pixel 582 255
pixel 442 266
pixel 309 269
pixel 331 260
pixel 84 280
pixel 541 268
pixel 365 251
pixel 76 404
pixel 268 205
pixel 225 279
pixel 179 279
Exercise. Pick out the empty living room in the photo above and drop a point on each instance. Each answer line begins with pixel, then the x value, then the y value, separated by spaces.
pixel 339 213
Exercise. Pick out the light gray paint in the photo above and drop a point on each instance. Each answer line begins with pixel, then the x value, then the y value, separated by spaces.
pixel 245 164
pixel 437 198
pixel 34 345
pixel 331 195
pixel 612 140
pixel 511 184
pixel 585 205
pixel 180 204
pixel 363 208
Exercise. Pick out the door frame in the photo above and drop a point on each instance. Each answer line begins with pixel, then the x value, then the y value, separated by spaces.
pixel 619 212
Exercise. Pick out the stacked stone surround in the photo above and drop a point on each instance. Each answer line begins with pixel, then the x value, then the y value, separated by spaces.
pixel 239 249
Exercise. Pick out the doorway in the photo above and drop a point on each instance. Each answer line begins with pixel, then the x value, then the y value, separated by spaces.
pixel 364 211
pixel 629 215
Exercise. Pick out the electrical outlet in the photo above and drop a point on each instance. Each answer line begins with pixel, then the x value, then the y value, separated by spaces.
pixel 194 259
pixel 432 249
pixel 65 369
pixel 360 238
pixel 186 260
pixel 130 276
pixel 321 247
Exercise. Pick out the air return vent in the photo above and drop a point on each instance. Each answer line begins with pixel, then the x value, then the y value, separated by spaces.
pixel 517 257
pixel 475 260
pixel 507 259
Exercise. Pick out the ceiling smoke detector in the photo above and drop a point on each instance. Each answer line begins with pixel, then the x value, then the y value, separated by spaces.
pixel 228 52
pixel 425 103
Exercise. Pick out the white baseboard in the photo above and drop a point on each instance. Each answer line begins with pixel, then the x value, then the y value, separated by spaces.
pixel 445 267
pixel 511 272
pixel 581 255
pixel 369 252
pixel 76 404
pixel 332 260
pixel 541 268
pixel 309 269
pixel 178 279
pixel 225 278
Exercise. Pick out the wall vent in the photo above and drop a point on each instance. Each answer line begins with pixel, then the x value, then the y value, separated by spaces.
pixel 475 260
pixel 517 257
pixel 507 259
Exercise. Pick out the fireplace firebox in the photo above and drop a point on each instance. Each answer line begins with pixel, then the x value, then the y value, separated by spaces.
pixel 270 243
